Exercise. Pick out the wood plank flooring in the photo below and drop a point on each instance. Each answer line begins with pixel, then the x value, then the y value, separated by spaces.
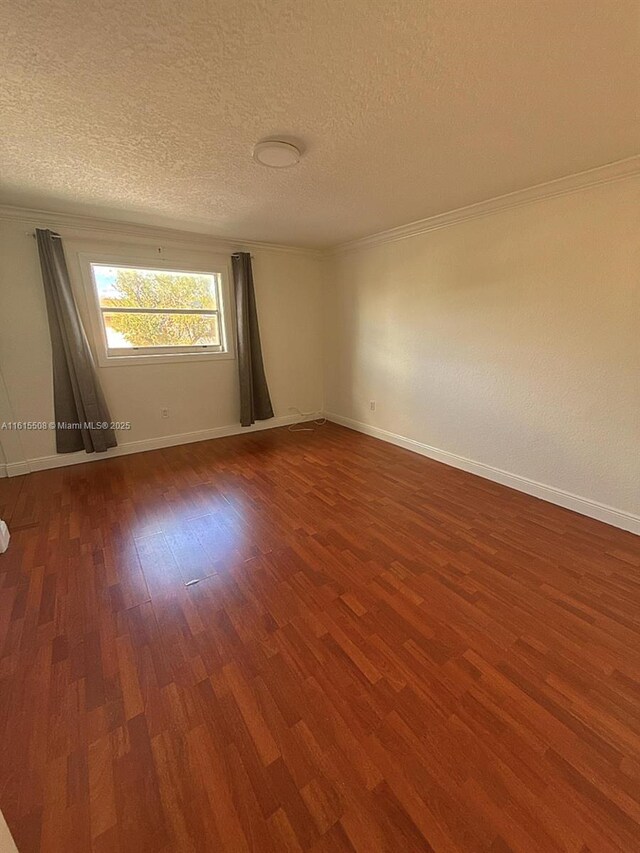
pixel 381 654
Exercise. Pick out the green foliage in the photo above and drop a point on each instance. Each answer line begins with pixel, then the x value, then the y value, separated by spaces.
pixel 145 289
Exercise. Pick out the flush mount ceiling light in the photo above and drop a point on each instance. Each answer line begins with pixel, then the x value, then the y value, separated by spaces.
pixel 276 154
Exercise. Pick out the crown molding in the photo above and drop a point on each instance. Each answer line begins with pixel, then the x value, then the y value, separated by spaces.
pixel 620 170
pixel 72 225
pixel 69 223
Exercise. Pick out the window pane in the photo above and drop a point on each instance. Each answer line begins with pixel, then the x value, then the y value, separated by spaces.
pixel 161 330
pixel 126 287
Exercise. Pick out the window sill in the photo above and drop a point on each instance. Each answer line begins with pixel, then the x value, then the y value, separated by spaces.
pixel 162 358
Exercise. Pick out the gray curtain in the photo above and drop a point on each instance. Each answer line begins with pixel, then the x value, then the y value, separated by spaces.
pixel 78 399
pixel 255 402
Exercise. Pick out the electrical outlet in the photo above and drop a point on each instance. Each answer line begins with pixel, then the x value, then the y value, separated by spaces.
pixel 164 413
pixel 372 405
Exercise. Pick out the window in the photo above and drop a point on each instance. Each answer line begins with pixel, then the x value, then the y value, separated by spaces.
pixel 150 313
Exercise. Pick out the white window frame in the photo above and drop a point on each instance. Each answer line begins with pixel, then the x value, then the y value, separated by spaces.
pixel 157 355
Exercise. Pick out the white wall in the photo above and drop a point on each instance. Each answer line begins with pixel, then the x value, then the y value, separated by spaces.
pixel 512 340
pixel 200 396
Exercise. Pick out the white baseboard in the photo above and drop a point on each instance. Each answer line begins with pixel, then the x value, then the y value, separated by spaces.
pixel 584 506
pixel 60 460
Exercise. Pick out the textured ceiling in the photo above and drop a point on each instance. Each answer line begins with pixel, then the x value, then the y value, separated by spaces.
pixel 147 110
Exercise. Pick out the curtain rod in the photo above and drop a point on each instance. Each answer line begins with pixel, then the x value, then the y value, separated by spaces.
pixel 59 237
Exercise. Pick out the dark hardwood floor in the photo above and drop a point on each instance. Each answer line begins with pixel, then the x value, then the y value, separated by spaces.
pixel 381 654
